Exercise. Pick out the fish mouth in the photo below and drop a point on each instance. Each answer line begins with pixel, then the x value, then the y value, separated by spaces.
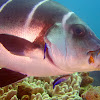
pixel 93 55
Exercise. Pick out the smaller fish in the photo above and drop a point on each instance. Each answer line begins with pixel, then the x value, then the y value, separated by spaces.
pixel 60 79
pixel 45 49
pixel 93 54
pixel 91 60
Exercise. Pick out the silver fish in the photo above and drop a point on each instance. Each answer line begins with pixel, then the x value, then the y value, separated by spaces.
pixel 42 38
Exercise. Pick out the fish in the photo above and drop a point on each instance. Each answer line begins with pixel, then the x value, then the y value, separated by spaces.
pixel 43 38
pixel 60 79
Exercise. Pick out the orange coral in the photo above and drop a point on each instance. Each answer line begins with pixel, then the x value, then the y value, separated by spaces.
pixel 92 94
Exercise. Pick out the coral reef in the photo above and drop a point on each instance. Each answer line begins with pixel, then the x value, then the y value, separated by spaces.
pixel 87 91
pixel 92 93
pixel 85 83
pixel 86 79
pixel 35 88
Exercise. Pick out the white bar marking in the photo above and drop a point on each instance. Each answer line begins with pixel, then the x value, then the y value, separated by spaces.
pixel 31 14
pixel 2 7
pixel 66 17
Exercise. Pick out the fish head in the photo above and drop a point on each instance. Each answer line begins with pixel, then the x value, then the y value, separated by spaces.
pixel 73 45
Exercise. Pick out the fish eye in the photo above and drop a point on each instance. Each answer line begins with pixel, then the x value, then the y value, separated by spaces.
pixel 78 30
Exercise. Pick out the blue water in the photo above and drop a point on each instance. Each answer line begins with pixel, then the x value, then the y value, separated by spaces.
pixel 87 10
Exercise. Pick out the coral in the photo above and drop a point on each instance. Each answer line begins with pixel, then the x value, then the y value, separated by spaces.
pixel 87 91
pixel 86 79
pixel 25 97
pixel 22 90
pixel 84 89
pixel 85 84
pixel 35 88
pixel 8 95
pixel 92 94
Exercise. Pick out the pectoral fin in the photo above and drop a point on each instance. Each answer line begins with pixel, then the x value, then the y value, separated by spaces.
pixel 8 76
pixel 14 44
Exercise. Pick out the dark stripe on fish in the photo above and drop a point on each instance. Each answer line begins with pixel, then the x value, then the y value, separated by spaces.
pixel 17 11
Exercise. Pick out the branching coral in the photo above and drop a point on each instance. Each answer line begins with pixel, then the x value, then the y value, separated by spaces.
pixel 34 88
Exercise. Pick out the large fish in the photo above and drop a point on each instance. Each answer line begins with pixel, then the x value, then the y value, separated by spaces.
pixel 42 38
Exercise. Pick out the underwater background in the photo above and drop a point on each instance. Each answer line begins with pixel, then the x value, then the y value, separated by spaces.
pixel 78 86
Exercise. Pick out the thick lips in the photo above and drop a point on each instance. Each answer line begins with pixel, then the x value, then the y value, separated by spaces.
pixel 93 54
